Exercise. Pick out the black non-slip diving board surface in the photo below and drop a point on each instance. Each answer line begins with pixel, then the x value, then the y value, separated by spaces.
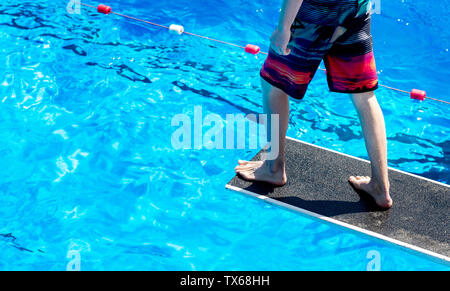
pixel 317 186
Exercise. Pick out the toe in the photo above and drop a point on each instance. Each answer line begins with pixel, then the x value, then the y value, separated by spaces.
pixel 245 167
pixel 240 168
pixel 247 175
pixel 356 180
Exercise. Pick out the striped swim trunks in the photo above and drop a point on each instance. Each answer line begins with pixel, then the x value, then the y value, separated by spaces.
pixel 335 31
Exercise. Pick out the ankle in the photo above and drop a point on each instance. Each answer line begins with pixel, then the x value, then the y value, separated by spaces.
pixel 276 165
pixel 380 187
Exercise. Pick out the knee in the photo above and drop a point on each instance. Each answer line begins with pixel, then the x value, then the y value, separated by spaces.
pixel 361 100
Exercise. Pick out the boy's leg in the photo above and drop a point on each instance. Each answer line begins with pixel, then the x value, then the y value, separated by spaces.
pixel 271 171
pixel 372 122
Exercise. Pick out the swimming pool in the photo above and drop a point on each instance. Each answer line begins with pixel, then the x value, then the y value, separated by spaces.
pixel 87 163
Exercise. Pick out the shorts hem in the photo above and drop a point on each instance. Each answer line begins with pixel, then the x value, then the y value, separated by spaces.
pixel 281 87
pixel 358 91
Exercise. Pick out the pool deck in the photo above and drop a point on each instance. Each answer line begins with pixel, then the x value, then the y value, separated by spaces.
pixel 317 187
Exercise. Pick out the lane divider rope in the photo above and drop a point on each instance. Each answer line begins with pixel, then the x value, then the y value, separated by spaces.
pixel 249 48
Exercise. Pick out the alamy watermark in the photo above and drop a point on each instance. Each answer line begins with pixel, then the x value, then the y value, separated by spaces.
pixel 195 131
pixel 375 6
pixel 374 258
pixel 74 263
pixel 74 7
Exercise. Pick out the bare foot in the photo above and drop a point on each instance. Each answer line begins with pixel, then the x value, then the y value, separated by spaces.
pixel 263 171
pixel 365 184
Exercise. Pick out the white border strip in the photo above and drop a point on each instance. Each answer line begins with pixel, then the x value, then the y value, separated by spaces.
pixel 339 223
pixel 366 161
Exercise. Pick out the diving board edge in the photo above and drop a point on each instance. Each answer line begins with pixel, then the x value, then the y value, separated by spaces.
pixel 415 250
pixel 404 246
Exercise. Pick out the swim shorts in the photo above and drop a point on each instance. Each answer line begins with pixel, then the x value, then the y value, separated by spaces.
pixel 335 31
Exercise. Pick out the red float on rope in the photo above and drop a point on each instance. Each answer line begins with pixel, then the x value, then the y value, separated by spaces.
pixel 104 9
pixel 252 49
pixel 418 95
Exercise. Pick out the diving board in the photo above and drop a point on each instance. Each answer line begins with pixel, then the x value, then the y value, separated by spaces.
pixel 317 187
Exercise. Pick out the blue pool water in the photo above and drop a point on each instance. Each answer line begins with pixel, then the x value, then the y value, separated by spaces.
pixel 87 164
